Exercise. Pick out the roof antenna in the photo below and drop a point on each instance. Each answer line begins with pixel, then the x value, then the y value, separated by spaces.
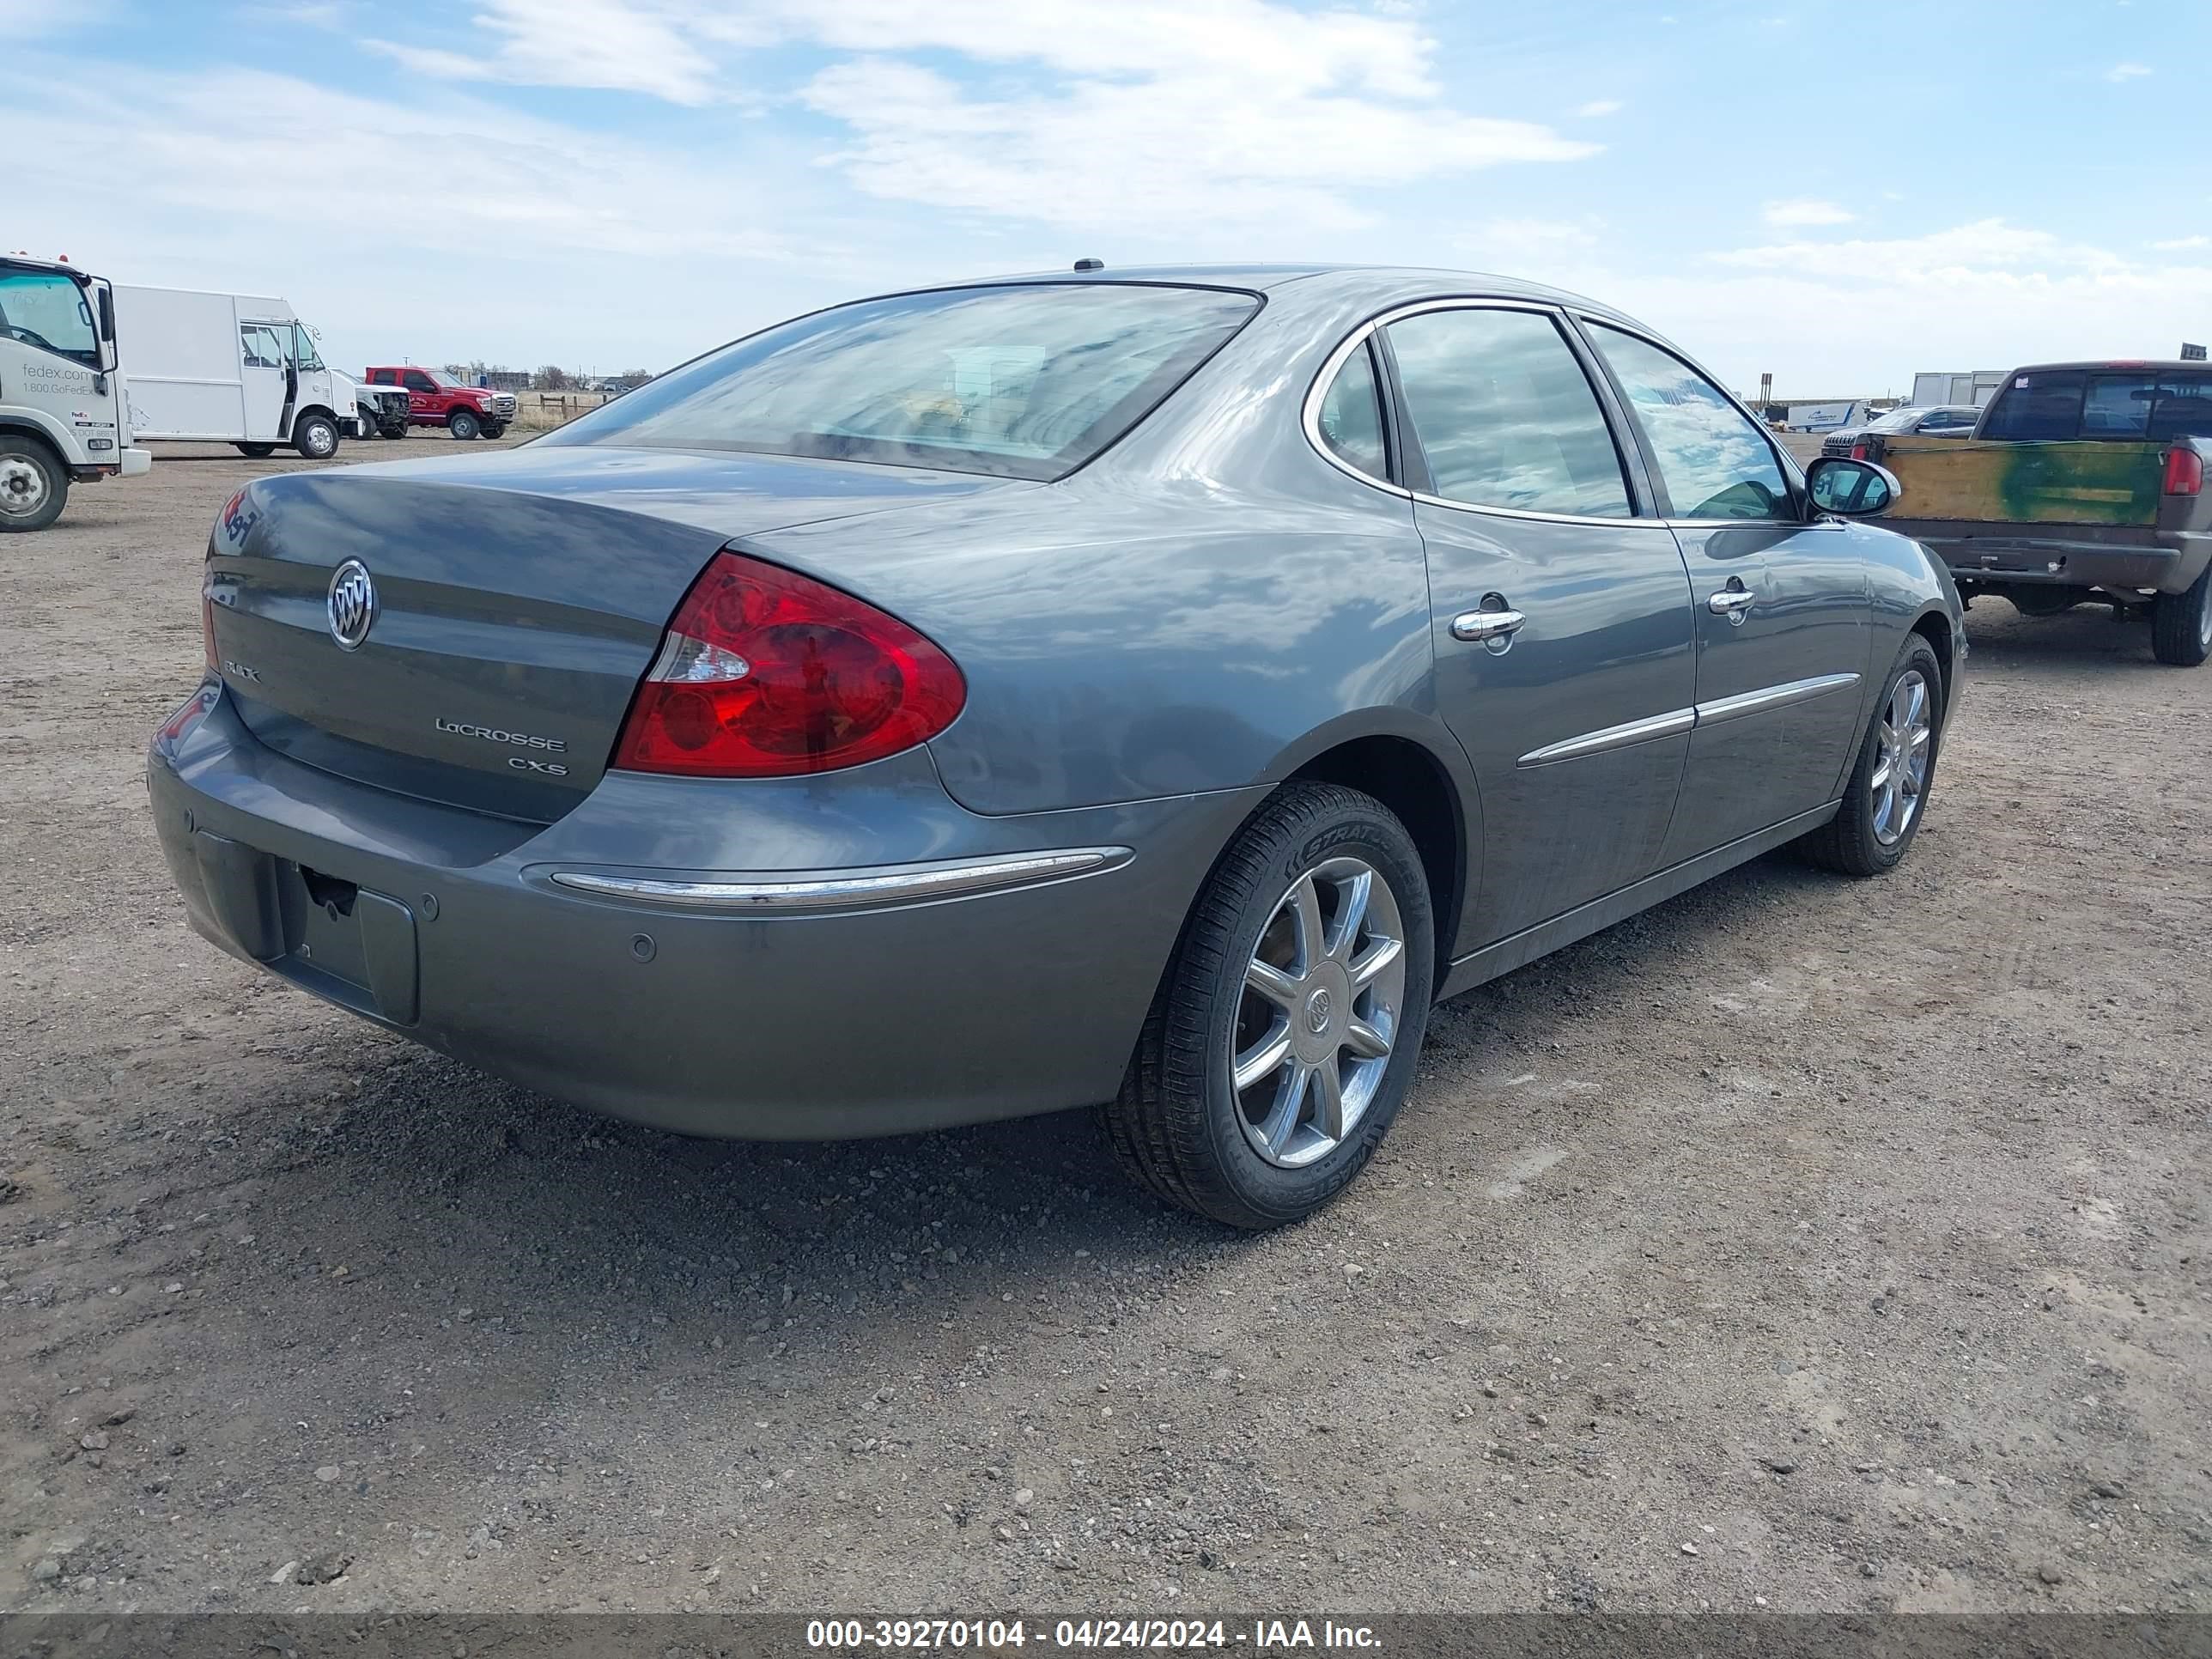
pixel 1091 265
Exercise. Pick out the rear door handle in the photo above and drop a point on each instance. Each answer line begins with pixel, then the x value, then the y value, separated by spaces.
pixel 1478 626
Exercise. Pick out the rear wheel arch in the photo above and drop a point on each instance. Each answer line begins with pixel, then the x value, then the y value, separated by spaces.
pixel 1423 793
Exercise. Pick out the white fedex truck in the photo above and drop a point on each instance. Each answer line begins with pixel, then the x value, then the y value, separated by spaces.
pixel 234 368
pixel 63 418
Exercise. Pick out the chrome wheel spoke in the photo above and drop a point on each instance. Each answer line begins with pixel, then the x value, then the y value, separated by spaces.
pixel 1264 1057
pixel 1377 960
pixel 1271 982
pixel 1351 914
pixel 1305 915
pixel 1326 1087
pixel 1364 1040
pixel 1273 1132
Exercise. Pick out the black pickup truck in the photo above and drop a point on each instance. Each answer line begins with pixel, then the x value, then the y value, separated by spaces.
pixel 2082 481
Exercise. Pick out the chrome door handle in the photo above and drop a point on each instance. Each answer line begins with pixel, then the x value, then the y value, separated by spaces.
pixel 1476 626
pixel 1731 602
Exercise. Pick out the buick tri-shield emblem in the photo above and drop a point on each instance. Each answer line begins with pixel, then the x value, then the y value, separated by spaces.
pixel 351 604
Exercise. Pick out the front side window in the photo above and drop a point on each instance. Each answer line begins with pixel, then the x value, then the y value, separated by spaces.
pixel 1506 417
pixel 1351 415
pixel 2038 405
pixel 303 347
pixel 259 347
pixel 1022 381
pixel 46 310
pixel 1715 463
pixel 417 380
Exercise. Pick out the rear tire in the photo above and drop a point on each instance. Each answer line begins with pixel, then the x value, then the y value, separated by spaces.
pixel 1873 829
pixel 464 425
pixel 1356 969
pixel 2181 624
pixel 33 484
pixel 315 436
pixel 256 451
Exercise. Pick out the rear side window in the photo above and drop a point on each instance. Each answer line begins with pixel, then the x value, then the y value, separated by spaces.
pixel 1351 415
pixel 2043 406
pixel 1505 416
pixel 1715 461
pixel 1021 381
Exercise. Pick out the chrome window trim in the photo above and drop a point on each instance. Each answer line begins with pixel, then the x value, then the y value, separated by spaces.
pixel 1628 733
pixel 1717 711
pixel 1327 376
pixel 1771 696
pixel 773 894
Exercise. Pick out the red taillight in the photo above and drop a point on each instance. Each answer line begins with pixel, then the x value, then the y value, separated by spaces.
pixel 1859 452
pixel 767 673
pixel 2184 471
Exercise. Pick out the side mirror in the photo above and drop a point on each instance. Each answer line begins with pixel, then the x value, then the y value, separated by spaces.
pixel 1852 489
pixel 106 327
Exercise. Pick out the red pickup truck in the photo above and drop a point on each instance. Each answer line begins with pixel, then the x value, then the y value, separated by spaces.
pixel 436 398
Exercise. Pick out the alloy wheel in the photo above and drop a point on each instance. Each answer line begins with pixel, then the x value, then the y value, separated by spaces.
pixel 1906 742
pixel 1319 1008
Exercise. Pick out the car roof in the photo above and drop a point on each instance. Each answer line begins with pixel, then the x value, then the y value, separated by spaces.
pixel 2160 363
pixel 1385 285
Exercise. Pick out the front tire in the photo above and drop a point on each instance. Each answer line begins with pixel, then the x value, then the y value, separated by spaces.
pixel 33 485
pixel 464 425
pixel 2181 624
pixel 1284 1036
pixel 315 436
pixel 1887 795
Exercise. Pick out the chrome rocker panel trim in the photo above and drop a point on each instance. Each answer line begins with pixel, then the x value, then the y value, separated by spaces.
pixel 815 891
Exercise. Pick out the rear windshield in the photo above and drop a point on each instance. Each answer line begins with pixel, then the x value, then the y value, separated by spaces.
pixel 2114 405
pixel 1025 381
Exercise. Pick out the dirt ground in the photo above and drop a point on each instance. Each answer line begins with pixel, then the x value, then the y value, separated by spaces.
pixel 1842 1245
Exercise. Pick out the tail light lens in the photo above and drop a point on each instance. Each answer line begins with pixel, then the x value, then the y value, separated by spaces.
pixel 2184 471
pixel 1859 452
pixel 766 673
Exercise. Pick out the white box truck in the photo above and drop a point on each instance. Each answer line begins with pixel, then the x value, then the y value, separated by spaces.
pixel 231 368
pixel 1932 390
pixel 63 418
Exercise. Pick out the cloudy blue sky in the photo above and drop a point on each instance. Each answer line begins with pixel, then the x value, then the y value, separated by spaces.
pixel 1840 195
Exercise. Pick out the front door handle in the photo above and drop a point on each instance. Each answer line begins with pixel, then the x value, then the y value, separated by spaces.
pixel 1494 621
pixel 1732 601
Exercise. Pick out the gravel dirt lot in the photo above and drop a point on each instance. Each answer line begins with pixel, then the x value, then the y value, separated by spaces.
pixel 1841 1244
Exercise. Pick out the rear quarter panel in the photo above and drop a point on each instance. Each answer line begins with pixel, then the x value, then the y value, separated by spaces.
pixel 1123 639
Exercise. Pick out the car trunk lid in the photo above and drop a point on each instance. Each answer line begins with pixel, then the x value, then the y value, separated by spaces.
pixel 511 603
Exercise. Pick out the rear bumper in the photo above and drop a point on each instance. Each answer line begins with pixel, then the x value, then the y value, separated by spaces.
pixel 2164 561
pixel 804 1017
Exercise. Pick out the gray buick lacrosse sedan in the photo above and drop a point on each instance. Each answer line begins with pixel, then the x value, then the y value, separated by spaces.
pixel 1148 687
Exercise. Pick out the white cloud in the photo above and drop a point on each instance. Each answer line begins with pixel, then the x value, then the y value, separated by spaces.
pixel 1172 114
pixel 2181 242
pixel 1806 210
pixel 2126 71
pixel 1598 106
